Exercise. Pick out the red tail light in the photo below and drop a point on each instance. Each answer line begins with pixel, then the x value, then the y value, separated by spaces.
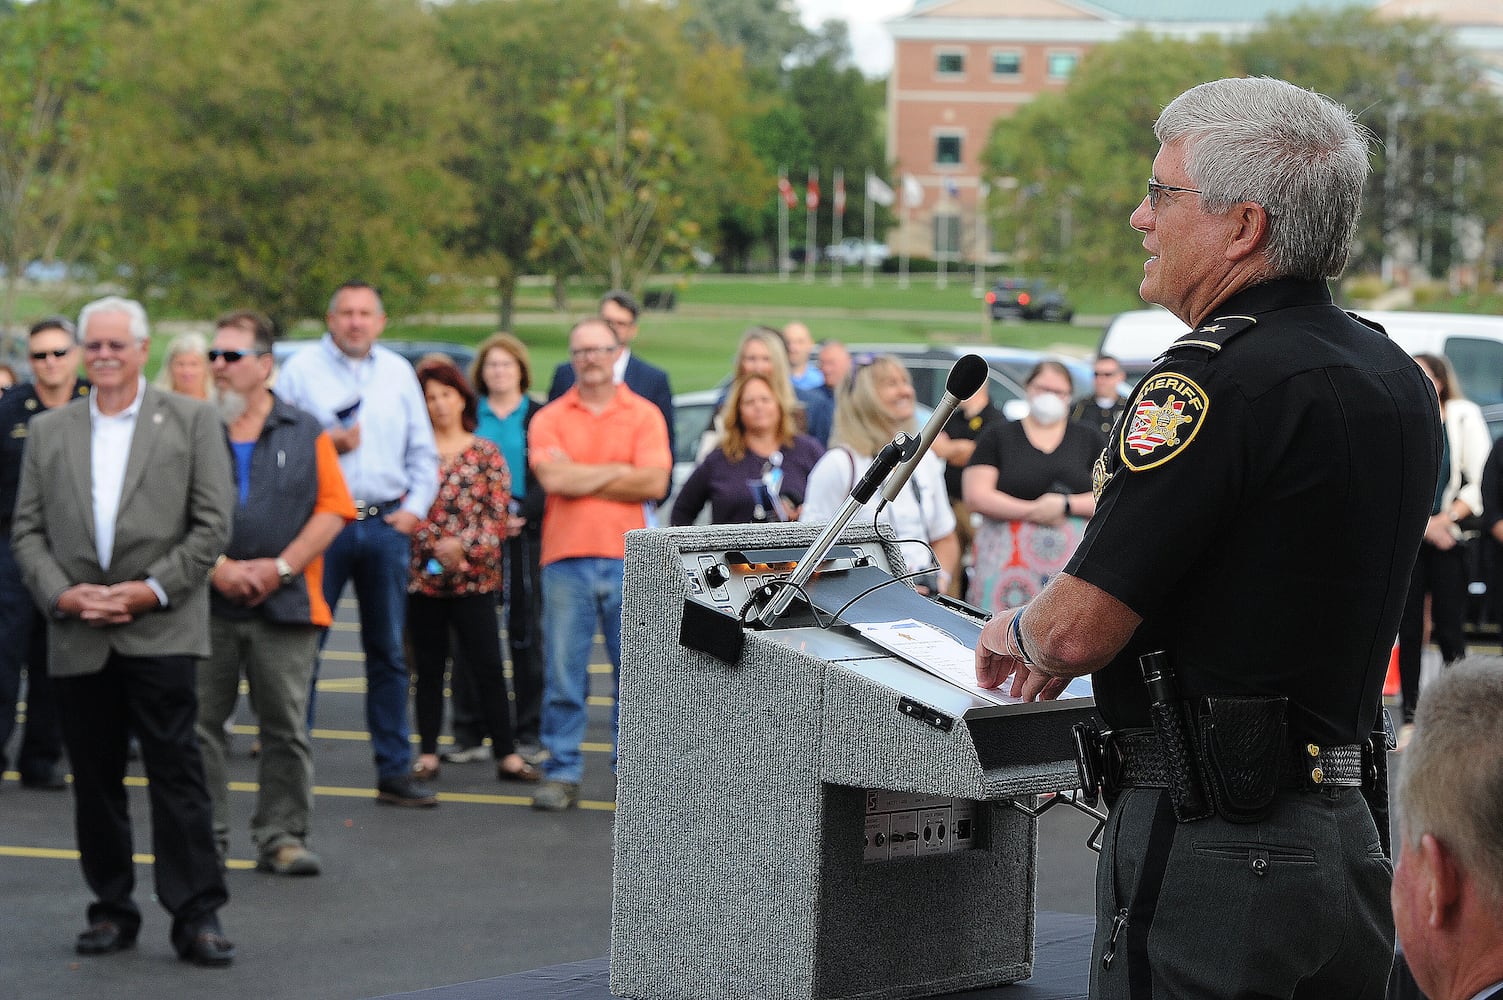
pixel 1023 298
pixel 991 297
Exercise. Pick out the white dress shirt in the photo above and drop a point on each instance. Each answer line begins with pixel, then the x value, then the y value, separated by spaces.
pixel 109 450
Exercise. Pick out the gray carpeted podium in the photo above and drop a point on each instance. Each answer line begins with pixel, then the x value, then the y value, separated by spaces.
pixel 810 816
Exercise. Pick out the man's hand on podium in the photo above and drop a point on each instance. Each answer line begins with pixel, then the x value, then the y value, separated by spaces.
pixel 998 657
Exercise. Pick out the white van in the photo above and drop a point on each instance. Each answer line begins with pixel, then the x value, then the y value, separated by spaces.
pixel 1474 344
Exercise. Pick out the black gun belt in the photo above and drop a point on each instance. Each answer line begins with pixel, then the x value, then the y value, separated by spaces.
pixel 1139 763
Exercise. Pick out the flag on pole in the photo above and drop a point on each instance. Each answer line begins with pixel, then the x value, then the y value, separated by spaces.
pixel 878 191
pixel 839 191
pixel 785 188
pixel 913 192
pixel 811 198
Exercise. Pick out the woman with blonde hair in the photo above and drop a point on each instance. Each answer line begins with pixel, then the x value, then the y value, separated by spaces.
pixel 760 469
pixel 876 403
pixel 185 367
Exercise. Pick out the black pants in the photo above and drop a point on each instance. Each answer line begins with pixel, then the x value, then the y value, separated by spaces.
pixel 1442 575
pixel 524 638
pixel 23 651
pixel 154 698
pixel 1295 906
pixel 473 620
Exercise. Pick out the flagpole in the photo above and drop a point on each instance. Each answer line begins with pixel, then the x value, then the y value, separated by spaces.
pixel 838 264
pixel 871 221
pixel 982 190
pixel 811 215
pixel 782 225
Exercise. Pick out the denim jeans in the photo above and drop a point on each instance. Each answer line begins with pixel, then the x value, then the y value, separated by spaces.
pixel 580 596
pixel 373 555
pixel 23 647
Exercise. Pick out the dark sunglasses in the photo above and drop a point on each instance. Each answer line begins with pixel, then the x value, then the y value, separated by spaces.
pixel 61 352
pixel 859 361
pixel 230 357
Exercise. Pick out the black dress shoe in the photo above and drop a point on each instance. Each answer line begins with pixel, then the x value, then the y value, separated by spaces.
pixel 208 947
pixel 54 780
pixel 403 792
pixel 105 937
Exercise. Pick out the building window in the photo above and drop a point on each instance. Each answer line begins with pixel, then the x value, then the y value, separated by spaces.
pixel 1062 64
pixel 947 150
pixel 947 237
pixel 1007 64
pixel 949 63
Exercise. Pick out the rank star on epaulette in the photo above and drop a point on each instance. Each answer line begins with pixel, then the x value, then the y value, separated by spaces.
pixel 1167 413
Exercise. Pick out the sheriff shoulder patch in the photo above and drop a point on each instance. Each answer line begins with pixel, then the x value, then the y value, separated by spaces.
pixel 1166 414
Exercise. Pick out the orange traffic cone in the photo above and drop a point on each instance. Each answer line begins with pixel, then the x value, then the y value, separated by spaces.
pixel 1391 683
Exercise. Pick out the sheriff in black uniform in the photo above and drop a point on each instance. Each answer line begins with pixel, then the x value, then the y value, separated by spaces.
pixel 23 630
pixel 1259 509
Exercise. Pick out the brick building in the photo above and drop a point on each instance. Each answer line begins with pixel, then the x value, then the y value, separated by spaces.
pixel 958 65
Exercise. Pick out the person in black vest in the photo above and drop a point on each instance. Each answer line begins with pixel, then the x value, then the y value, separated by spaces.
pixel 1259 509
pixel 266 606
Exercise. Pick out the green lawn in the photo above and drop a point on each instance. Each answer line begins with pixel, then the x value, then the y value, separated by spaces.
pixel 695 341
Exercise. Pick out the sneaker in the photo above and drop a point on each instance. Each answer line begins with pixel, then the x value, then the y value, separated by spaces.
pixel 556 796
pixel 289 859
pixel 465 755
pixel 401 792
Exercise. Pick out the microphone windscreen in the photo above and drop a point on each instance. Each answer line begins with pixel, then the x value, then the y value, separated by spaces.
pixel 966 377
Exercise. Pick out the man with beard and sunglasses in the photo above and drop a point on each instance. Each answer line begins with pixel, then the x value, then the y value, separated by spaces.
pixel 267 606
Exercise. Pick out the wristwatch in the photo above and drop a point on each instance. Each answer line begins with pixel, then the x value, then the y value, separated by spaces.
pixel 284 571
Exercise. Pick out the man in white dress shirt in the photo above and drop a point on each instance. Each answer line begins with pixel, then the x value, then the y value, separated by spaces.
pixel 367 399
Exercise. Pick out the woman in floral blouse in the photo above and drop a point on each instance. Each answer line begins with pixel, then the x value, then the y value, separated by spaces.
pixel 455 581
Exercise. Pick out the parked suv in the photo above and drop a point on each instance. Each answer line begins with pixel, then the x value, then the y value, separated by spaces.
pixel 1019 298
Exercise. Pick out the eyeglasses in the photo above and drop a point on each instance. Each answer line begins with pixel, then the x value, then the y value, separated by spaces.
pixel 1112 374
pixel 61 352
pixel 620 324
pixel 230 357
pixel 115 346
pixel 1156 190
pixel 581 353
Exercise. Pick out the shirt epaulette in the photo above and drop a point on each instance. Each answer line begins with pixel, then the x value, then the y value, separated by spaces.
pixel 1212 335
pixel 1371 325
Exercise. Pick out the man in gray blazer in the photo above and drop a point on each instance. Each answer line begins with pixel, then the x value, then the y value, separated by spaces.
pixel 125 503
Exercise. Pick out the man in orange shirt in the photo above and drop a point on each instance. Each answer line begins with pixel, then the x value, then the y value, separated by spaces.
pixel 601 452
pixel 267 605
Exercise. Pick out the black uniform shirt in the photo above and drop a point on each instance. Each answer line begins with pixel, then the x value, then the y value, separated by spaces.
pixel 963 428
pixel 1088 412
pixel 17 407
pixel 1260 506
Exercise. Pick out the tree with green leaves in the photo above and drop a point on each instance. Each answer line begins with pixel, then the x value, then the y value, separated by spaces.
pixel 50 60
pixel 641 157
pixel 259 152
pixel 1068 168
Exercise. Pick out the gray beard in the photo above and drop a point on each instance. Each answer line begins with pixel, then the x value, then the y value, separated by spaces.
pixel 231 406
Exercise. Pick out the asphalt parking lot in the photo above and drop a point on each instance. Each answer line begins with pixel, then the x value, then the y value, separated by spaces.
pixel 480 887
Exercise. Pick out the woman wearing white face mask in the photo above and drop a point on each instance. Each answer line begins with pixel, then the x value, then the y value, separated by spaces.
pixel 1031 483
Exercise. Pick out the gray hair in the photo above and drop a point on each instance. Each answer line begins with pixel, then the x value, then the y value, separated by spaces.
pixel 1300 155
pixel 140 330
pixel 1452 771
pixel 185 343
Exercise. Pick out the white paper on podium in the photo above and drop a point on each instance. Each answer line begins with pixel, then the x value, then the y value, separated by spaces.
pixel 941 654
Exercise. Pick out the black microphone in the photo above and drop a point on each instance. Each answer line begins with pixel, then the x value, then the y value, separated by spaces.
pixel 966 378
pixel 899 449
